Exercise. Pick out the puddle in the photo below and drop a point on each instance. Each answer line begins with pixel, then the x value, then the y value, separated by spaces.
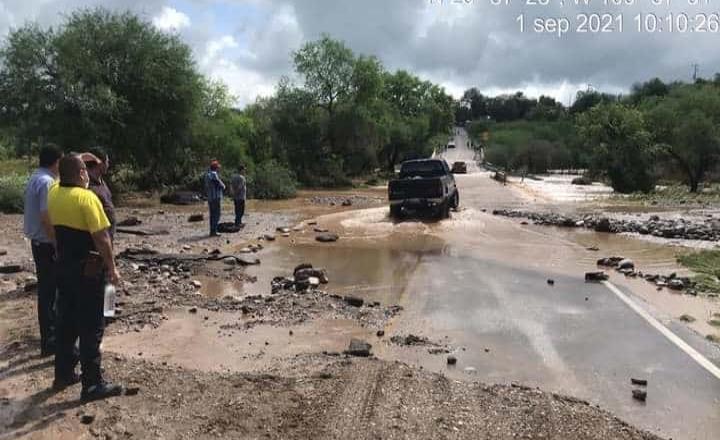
pixel 193 342
pixel 361 268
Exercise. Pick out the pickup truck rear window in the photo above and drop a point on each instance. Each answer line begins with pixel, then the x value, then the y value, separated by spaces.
pixel 430 168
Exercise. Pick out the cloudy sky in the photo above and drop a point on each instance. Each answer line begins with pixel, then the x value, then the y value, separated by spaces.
pixel 457 43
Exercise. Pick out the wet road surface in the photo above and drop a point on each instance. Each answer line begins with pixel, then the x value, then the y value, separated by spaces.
pixel 483 288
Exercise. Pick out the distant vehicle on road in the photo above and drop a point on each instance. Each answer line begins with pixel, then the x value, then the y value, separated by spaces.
pixel 459 167
pixel 451 145
pixel 424 184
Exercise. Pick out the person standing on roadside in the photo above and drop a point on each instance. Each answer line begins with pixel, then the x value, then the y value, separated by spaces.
pixel 85 265
pixel 39 231
pixel 97 162
pixel 238 186
pixel 214 188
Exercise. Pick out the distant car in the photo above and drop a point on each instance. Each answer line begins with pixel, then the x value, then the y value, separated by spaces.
pixel 451 145
pixel 459 168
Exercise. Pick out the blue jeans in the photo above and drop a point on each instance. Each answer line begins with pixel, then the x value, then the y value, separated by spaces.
pixel 214 206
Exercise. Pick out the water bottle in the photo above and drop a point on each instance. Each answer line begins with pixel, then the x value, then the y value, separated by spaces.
pixel 109 304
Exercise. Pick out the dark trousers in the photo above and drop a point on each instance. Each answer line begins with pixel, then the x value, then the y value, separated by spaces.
pixel 80 315
pixel 214 206
pixel 239 211
pixel 44 256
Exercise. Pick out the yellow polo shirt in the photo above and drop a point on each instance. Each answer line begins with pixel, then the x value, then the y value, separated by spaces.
pixel 76 208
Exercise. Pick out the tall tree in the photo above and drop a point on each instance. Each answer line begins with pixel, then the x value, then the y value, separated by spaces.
pixel 685 124
pixel 621 142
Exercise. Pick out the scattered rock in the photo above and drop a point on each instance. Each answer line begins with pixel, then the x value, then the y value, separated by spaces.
pixel 687 318
pixel 380 333
pixel 194 218
pixel 359 348
pixel 626 264
pixel 3 252
pixel 551 282
pixel 596 276
pixel 354 301
pixel 196 284
pixel 192 310
pixel 347 202
pixel 639 382
pixel 132 391
pixel 87 419
pixel 282 229
pixel 639 395
pixel 11 268
pixel 319 230
pixel 603 225
pixel 451 360
pixel 676 284
pixel 268 237
pixel 327 238
pixel 130 221
pixel 593 248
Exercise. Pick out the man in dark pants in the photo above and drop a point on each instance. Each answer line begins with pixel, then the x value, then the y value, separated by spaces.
pixel 214 188
pixel 238 187
pixel 97 162
pixel 38 229
pixel 85 263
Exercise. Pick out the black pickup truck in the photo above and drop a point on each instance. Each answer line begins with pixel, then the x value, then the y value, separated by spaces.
pixel 424 184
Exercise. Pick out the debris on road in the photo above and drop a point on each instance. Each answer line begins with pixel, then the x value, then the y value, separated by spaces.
pixel 359 348
pixel 639 395
pixel 327 238
pixel 596 276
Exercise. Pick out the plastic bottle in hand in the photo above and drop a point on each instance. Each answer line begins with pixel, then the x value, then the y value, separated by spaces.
pixel 109 305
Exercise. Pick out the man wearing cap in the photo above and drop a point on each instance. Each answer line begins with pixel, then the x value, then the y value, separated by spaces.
pixel 97 163
pixel 214 188
pixel 85 264
pixel 39 230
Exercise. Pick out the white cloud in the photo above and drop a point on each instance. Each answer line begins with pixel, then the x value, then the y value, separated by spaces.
pixel 171 19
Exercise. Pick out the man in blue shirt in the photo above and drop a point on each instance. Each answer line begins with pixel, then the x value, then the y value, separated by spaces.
pixel 40 232
pixel 214 188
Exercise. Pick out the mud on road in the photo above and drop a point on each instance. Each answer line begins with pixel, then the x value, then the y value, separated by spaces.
pixel 253 365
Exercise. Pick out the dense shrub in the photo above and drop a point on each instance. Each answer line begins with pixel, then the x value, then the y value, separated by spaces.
pixel 12 193
pixel 272 180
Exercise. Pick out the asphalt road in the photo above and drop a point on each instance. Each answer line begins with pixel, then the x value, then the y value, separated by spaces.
pixel 574 337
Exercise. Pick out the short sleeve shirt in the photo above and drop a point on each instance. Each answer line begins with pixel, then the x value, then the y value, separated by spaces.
pixel 75 213
pixel 36 196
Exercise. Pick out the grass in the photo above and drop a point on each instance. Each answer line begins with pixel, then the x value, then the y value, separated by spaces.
pixel 706 264
pixel 12 193
pixel 674 194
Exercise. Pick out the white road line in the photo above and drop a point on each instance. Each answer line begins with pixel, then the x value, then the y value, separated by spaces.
pixel 675 339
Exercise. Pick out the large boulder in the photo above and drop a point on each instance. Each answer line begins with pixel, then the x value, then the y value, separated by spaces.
pixel 181 198
pixel 603 225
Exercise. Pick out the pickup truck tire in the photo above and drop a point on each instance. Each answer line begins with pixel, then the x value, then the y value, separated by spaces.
pixel 443 211
pixel 396 212
pixel 456 201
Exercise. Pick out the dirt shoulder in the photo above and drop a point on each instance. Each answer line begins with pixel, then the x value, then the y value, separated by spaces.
pixel 266 365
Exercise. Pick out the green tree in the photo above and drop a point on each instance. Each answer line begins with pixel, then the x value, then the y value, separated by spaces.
pixel 105 78
pixel 685 125
pixel 621 144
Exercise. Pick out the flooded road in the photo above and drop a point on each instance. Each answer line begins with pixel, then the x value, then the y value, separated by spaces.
pixel 479 284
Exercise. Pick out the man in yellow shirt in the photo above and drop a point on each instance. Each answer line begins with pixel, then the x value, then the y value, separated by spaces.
pixel 85 264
